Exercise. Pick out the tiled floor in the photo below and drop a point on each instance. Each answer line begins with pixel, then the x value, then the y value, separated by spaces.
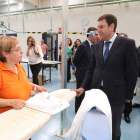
pixel 129 131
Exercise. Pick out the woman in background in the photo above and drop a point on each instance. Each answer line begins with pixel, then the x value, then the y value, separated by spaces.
pixel 60 54
pixel 15 88
pixel 35 54
pixel 77 43
pixel 69 55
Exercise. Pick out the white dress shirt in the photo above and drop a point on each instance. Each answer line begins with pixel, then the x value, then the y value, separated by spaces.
pixel 110 45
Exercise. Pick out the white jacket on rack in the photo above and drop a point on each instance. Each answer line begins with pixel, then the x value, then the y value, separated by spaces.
pixel 93 98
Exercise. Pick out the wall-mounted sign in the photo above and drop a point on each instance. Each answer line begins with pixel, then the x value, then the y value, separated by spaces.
pixel 4 31
pixel 59 29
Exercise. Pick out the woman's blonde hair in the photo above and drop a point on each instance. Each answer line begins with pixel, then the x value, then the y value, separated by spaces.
pixel 6 44
pixel 31 38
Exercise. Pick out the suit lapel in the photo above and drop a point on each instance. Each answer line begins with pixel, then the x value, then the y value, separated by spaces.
pixel 88 49
pixel 113 48
pixel 100 46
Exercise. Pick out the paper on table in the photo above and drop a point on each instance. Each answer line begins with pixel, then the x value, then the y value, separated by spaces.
pixel 46 103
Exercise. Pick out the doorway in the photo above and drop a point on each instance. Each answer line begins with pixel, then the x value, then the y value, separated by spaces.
pixel 52 43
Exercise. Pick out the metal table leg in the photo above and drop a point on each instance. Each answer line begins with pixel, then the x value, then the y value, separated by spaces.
pixel 42 75
pixel 50 73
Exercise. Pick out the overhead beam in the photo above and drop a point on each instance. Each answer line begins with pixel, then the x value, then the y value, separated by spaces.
pixel 70 7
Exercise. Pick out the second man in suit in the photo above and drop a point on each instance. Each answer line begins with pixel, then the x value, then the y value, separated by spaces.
pixel 81 61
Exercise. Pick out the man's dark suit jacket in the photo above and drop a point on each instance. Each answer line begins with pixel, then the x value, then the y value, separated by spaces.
pixel 82 59
pixel 119 72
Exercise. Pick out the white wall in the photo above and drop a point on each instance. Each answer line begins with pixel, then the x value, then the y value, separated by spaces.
pixel 128 21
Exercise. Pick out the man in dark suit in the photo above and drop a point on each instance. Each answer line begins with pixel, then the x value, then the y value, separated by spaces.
pixel 128 106
pixel 113 69
pixel 81 61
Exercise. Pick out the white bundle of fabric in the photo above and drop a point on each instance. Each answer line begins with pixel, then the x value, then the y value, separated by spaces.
pixel 93 98
pixel 46 103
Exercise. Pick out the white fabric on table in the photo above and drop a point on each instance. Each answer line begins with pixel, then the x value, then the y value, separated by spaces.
pixel 46 103
pixel 93 98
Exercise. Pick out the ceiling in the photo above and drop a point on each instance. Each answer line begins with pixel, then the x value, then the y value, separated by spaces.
pixel 5 2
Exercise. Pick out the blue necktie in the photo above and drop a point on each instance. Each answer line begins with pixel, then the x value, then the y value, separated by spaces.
pixel 92 49
pixel 106 50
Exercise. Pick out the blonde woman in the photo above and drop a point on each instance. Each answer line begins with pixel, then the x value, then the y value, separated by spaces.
pixel 35 54
pixel 15 88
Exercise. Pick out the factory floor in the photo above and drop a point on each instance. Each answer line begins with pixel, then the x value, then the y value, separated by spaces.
pixel 128 131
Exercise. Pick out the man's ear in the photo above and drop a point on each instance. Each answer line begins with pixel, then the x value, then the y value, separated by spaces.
pixel 112 26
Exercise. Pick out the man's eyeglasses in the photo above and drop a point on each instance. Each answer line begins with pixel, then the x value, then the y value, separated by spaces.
pixel 17 50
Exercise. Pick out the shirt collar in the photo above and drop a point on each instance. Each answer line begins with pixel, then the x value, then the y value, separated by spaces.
pixel 89 42
pixel 112 39
pixel 3 67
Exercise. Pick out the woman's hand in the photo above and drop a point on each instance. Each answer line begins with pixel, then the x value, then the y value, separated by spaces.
pixel 36 50
pixel 74 71
pixel 41 89
pixel 67 57
pixel 17 103
pixel 38 89
pixel 29 45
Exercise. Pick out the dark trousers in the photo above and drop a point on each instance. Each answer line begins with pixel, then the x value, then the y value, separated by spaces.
pixel 117 111
pixel 35 69
pixel 128 108
pixel 68 69
pixel 79 99
pixel 45 58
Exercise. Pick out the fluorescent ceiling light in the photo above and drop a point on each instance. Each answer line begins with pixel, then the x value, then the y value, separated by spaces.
pixel 20 6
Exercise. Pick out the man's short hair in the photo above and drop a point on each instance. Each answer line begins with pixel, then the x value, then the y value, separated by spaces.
pixel 124 35
pixel 109 19
pixel 91 29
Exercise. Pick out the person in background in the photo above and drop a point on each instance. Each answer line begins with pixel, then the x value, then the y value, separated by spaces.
pixel 35 54
pixel 75 46
pixel 77 43
pixel 45 52
pixel 60 54
pixel 55 51
pixel 15 88
pixel 82 60
pixel 128 105
pixel 124 35
pixel 112 69
pixel 137 101
pixel 69 55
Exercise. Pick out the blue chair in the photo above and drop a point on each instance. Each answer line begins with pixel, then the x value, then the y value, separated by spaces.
pixel 95 126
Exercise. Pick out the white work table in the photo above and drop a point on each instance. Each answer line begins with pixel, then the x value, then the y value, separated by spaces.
pixel 24 123
pixel 44 62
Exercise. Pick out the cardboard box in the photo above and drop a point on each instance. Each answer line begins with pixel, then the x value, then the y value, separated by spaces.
pixel 40 80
